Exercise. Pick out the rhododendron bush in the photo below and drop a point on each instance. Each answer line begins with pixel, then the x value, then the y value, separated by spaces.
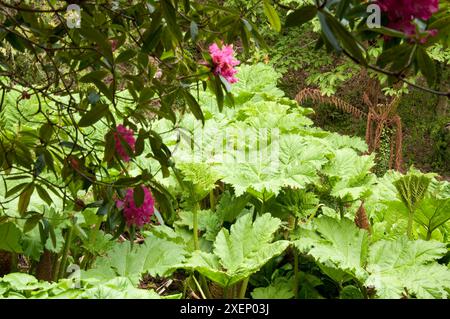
pixel 402 29
pixel 224 62
pixel 401 14
pixel 141 148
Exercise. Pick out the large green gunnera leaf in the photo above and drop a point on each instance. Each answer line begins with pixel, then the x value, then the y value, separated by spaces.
pixel 336 243
pixel 350 174
pixel 408 268
pixel 240 252
pixel 157 257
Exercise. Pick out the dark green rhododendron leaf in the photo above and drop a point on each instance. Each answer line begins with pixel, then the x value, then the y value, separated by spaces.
pixel 301 16
pixel 10 237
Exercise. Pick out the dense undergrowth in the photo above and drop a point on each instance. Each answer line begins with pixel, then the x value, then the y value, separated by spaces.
pixel 425 116
pixel 137 160
pixel 307 220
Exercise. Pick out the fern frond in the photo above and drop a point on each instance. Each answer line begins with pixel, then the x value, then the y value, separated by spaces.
pixel 317 96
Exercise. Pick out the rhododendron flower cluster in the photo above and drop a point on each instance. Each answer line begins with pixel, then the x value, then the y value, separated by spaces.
pixel 137 216
pixel 122 134
pixel 401 13
pixel 224 61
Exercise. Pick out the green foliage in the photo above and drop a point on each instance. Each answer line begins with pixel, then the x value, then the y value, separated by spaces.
pixel 395 268
pixel 349 174
pixel 129 65
pixel 10 237
pixel 20 286
pixel 438 53
pixel 280 288
pixel 230 207
pixel 274 181
pixel 432 213
pixel 293 153
pixel 340 245
pixel 208 222
pixel 240 252
pixel 424 204
pixel 157 257
pixel 404 267
pixel 412 189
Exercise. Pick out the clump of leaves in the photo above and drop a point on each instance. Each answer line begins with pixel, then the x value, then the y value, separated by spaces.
pixel 240 252
pixel 395 268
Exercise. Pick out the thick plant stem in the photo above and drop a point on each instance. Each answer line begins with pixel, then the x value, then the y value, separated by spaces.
pixel 195 226
pixel 197 247
pixel 212 200
pixel 225 293
pixel 55 267
pixel 68 239
pixel 199 287
pixel 243 288
pixel 263 204
pixel 341 209
pixel 295 273
pixel 204 283
pixel 410 224
pixel 234 291
pixel 429 232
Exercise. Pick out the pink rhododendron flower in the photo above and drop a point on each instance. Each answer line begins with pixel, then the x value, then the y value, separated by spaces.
pixel 224 61
pixel 401 14
pixel 127 135
pixel 137 216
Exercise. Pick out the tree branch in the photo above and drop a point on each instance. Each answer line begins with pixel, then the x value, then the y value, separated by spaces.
pixel 399 76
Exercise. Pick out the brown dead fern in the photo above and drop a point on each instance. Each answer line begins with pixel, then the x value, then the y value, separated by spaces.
pixel 316 96
pixel 380 116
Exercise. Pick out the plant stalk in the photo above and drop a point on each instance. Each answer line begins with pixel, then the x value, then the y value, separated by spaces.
pixel 204 283
pixel 295 273
pixel 212 200
pixel 243 288
pixel 56 264
pixel 199 287
pixel 195 226
pixel 225 293
pixel 410 225
pixel 68 240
